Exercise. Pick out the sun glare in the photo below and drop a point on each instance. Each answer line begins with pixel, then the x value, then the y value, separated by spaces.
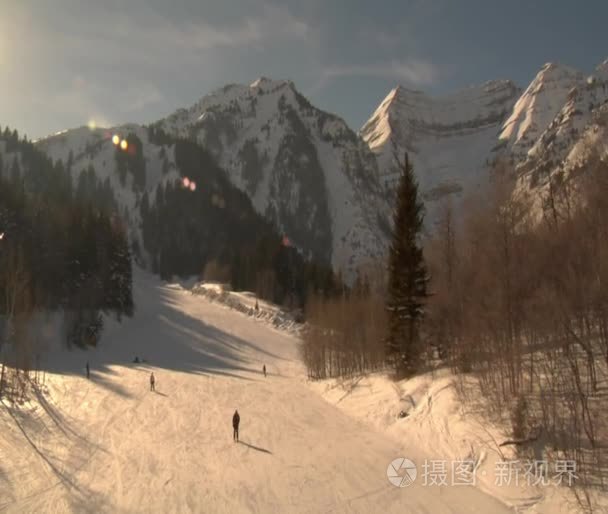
pixel 115 139
pixel 124 145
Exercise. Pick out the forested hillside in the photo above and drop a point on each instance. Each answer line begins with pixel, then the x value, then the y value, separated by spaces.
pixel 62 247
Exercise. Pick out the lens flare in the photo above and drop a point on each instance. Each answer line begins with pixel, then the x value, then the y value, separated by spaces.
pixel 186 182
pixel 192 186
pixel 124 145
pixel 115 139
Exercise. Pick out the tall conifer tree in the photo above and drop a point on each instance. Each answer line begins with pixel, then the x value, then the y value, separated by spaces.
pixel 407 276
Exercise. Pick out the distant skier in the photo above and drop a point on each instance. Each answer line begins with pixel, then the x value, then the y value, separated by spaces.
pixel 88 370
pixel 257 307
pixel 236 419
pixel 264 369
pixel 152 382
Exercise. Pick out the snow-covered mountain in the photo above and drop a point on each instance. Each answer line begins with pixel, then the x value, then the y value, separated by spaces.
pixel 537 107
pixel 574 136
pixel 304 168
pixel 555 125
pixel 330 190
pixel 84 147
pixel 449 139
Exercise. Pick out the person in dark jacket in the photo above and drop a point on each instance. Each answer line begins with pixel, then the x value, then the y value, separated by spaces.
pixel 88 370
pixel 236 419
pixel 264 369
pixel 152 382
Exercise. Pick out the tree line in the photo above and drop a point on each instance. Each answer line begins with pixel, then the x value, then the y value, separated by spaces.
pixel 513 291
pixel 521 302
pixel 215 233
pixel 378 323
pixel 62 249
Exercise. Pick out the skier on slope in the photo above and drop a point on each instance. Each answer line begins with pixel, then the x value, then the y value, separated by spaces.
pixel 236 419
pixel 88 370
pixel 264 369
pixel 152 382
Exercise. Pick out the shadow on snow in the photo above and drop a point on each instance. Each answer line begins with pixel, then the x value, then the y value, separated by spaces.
pixel 162 336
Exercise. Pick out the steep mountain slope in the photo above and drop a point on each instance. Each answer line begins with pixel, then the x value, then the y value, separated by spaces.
pixel 537 107
pixel 449 139
pixel 82 148
pixel 571 141
pixel 302 167
pixel 555 126
pixel 185 216
pixel 328 189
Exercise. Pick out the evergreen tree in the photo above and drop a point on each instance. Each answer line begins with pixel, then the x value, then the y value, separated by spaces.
pixel 15 171
pixel 73 256
pixel 120 281
pixel 407 276
pixel 70 162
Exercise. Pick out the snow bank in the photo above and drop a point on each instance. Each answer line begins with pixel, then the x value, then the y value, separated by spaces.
pixel 441 428
pixel 245 302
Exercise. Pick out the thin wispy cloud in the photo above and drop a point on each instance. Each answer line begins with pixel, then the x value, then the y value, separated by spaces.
pixel 381 38
pixel 152 30
pixel 141 59
pixel 128 60
pixel 139 96
pixel 414 72
pixel 410 72
pixel 272 23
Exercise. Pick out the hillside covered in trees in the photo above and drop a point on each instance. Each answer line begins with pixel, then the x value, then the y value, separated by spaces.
pixel 62 248
pixel 212 230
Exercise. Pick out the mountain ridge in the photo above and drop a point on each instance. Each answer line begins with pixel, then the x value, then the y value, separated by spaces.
pixel 330 189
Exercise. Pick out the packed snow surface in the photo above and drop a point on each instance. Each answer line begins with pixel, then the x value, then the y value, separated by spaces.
pixel 109 444
pixel 439 429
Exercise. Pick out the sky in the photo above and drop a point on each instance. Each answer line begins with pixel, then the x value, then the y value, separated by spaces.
pixel 65 63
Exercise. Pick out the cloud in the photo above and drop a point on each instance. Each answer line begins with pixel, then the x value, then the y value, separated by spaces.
pixel 274 22
pixel 83 100
pixel 148 28
pixel 139 96
pixel 381 38
pixel 414 72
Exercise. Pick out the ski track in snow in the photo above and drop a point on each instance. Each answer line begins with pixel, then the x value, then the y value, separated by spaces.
pixel 111 445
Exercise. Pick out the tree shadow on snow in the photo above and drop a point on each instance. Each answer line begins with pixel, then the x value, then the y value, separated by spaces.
pixel 63 469
pixel 165 336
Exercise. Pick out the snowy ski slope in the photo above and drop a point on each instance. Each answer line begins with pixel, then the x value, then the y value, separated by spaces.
pixel 111 445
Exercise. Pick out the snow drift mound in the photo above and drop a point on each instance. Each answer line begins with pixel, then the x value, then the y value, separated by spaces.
pixel 426 416
pixel 245 302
